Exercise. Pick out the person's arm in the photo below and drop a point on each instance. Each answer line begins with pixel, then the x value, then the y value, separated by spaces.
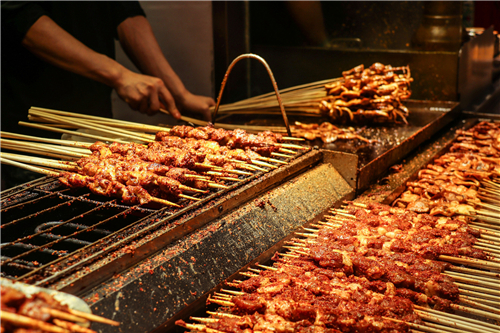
pixel 137 39
pixel 53 44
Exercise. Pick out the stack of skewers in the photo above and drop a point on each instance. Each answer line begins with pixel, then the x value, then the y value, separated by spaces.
pixel 42 313
pixel 373 95
pixel 367 268
pixel 465 181
pixel 170 167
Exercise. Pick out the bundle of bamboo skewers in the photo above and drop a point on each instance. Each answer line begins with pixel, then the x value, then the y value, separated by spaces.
pixel 374 94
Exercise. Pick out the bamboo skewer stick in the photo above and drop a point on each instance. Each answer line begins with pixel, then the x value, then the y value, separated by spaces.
pixel 221 314
pixel 493 207
pixel 490 191
pixel 281 155
pixel 72 327
pixel 489 237
pixel 479 289
pixel 93 317
pixel 425 328
pixel 456 317
pixel 480 278
pixel 42 153
pixel 53 141
pixel 200 328
pixel 45 121
pixel 476 312
pixel 487 213
pixel 29 167
pixel 491 184
pixel 99 128
pixel 74 133
pixel 453 323
pixel 484 228
pixel 491 251
pixel 480 306
pixel 83 151
pixel 479 295
pixel 9 144
pixel 39 161
pixel 485 242
pixel 63 315
pixel 116 122
pixel 480 300
pixel 477 282
pixel 70 151
pixel 79 121
pixel 24 321
pixel 268 159
pixel 204 320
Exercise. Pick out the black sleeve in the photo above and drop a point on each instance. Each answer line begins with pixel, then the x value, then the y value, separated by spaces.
pixel 121 10
pixel 18 17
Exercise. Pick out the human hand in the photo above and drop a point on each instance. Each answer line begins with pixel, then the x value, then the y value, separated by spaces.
pixel 145 93
pixel 197 103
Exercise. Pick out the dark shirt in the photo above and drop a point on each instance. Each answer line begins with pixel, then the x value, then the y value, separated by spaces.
pixel 29 81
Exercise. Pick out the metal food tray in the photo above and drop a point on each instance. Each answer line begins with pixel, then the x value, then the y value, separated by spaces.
pixel 394 142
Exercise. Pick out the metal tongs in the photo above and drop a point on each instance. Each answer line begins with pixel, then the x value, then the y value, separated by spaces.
pixel 273 81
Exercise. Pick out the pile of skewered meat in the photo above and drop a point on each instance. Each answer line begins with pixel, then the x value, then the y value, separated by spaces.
pixel 361 274
pixel 327 132
pixel 452 184
pixel 263 143
pixel 40 313
pixel 372 95
pixel 185 159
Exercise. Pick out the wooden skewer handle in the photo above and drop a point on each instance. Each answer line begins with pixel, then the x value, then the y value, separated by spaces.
pixel 72 327
pixel 64 315
pixel 93 317
pixel 3 160
pixel 24 321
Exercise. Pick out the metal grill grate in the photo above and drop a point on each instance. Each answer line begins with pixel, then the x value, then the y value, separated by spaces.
pixel 44 226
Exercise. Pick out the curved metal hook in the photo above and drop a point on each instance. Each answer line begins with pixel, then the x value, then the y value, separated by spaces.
pixel 254 56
